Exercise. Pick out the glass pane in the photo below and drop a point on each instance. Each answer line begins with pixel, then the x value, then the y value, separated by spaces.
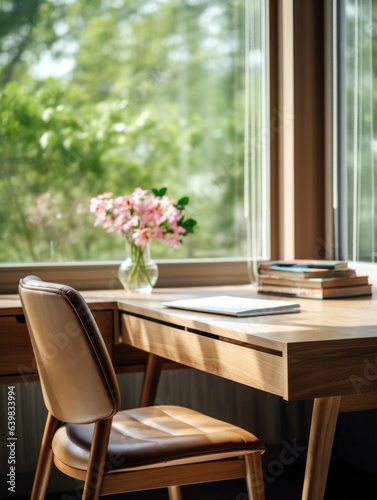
pixel 107 96
pixel 358 54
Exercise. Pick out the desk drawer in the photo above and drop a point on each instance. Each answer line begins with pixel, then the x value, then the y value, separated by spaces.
pixel 209 353
pixel 16 354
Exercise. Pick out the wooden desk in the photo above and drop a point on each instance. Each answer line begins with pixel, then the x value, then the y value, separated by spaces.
pixel 327 352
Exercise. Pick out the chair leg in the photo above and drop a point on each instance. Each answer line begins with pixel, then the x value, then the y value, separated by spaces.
pixel 97 460
pixel 42 474
pixel 254 476
pixel 175 493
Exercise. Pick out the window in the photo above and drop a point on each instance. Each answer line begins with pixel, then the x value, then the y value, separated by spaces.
pixel 110 95
pixel 356 145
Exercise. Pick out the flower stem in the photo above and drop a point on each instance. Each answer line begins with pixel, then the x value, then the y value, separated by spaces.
pixel 138 268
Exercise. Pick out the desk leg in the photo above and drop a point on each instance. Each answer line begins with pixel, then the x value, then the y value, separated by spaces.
pixel 151 380
pixel 322 430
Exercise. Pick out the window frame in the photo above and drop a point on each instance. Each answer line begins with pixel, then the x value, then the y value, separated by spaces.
pixel 99 275
pixel 103 275
pixel 301 180
pixel 336 130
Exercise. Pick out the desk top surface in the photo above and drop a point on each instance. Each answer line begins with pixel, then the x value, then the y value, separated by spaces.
pixel 317 352
pixel 319 320
pixel 350 320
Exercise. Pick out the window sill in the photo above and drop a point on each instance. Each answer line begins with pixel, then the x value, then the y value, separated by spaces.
pixel 366 268
pixel 103 275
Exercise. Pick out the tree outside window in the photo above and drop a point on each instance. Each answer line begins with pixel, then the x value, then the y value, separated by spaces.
pixel 111 95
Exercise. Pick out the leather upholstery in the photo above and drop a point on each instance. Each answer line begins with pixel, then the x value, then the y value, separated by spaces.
pixel 154 435
pixel 77 377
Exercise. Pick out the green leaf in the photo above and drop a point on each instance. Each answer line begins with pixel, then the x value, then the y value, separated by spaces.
pixel 188 224
pixel 159 192
pixel 183 201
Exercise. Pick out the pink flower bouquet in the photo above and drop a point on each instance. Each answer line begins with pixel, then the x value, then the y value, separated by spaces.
pixel 141 217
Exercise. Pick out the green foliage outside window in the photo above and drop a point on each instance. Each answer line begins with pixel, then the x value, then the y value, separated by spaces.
pixel 111 95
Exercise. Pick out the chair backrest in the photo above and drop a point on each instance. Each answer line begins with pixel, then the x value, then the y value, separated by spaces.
pixel 78 381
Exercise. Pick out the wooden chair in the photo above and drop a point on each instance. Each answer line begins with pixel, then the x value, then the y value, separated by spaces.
pixel 113 451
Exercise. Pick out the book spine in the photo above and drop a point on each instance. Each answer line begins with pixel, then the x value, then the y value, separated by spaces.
pixel 270 280
pixel 355 291
pixel 292 291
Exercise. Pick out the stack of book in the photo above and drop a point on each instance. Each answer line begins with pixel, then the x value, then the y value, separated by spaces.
pixel 315 279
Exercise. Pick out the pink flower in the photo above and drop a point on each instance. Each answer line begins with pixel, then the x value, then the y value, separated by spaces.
pixel 141 237
pixel 174 241
pixel 143 216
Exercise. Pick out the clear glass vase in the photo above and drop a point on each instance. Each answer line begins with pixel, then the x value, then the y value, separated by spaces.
pixel 138 273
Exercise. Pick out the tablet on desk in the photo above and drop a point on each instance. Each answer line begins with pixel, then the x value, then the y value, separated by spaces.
pixel 235 306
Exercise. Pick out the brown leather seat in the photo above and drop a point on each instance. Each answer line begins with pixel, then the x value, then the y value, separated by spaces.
pixel 114 451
